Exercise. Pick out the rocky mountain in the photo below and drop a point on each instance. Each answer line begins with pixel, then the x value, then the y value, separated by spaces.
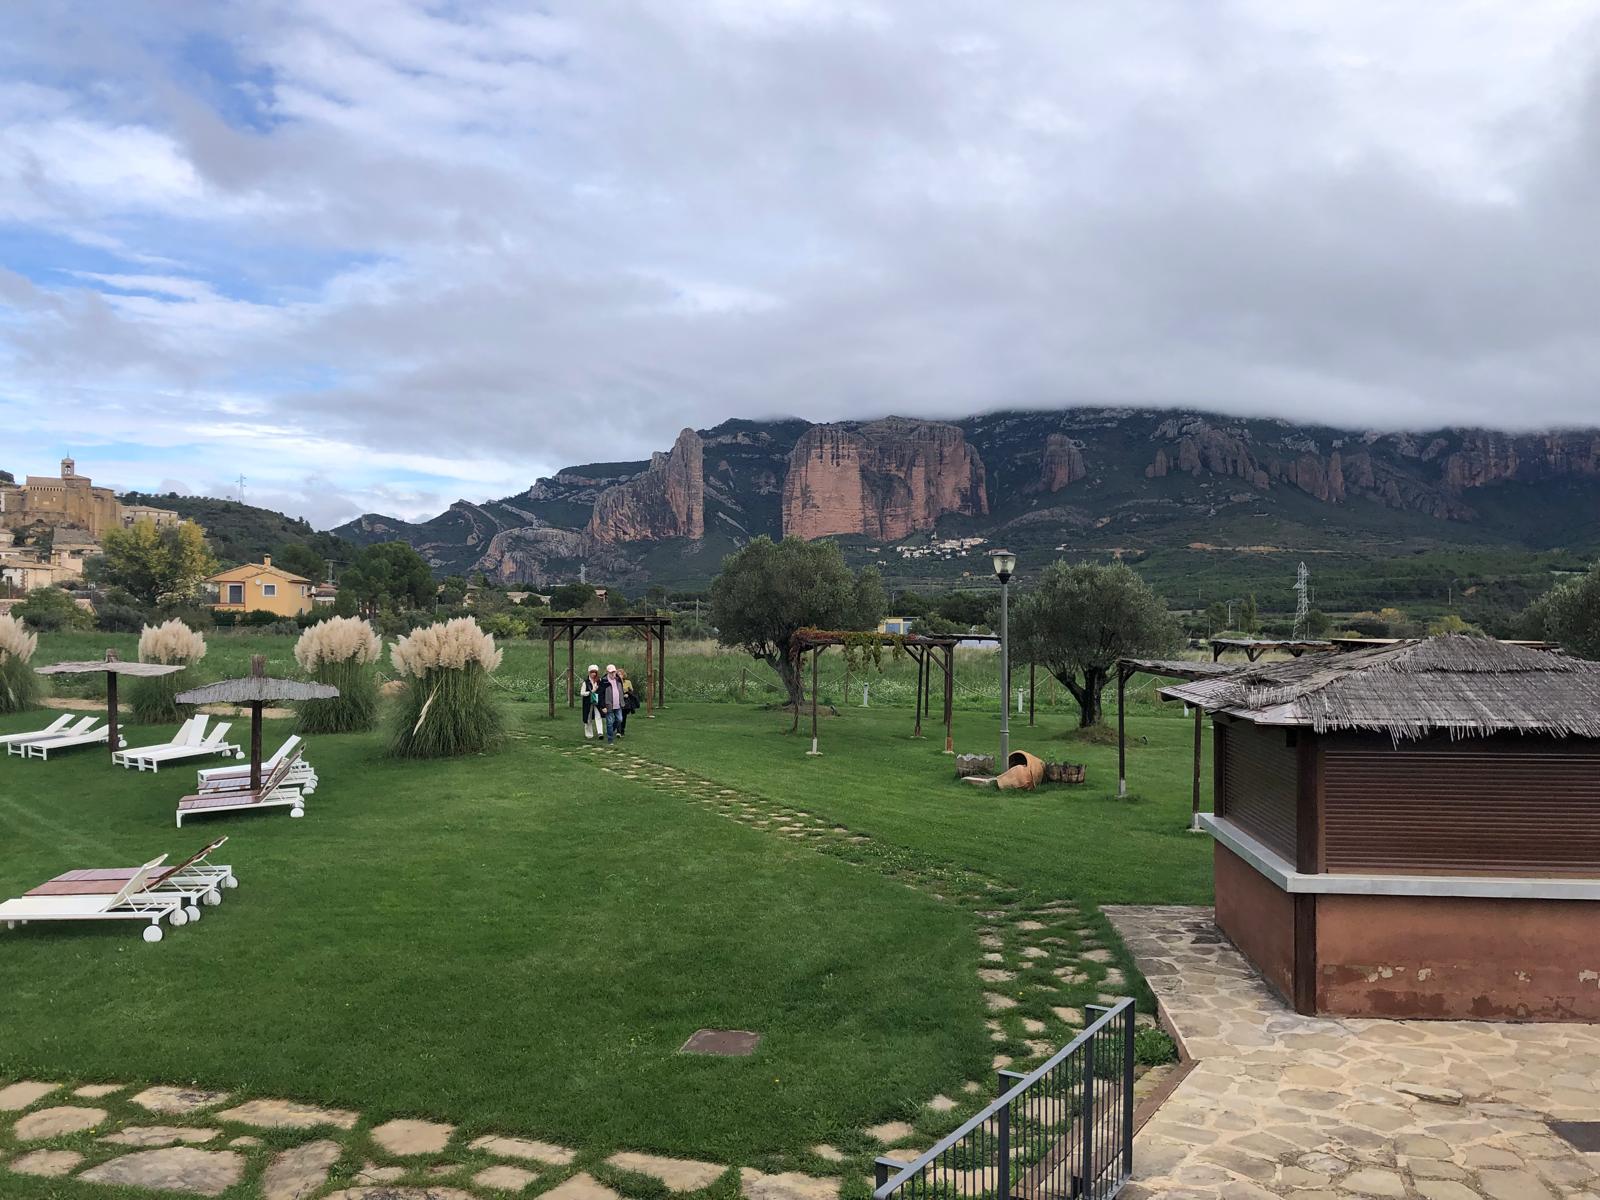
pixel 1095 481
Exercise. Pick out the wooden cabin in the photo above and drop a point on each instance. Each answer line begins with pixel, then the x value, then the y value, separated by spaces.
pixel 1412 830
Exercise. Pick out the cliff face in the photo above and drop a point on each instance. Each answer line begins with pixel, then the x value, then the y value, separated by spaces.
pixel 885 479
pixel 1061 464
pixel 1484 458
pixel 666 501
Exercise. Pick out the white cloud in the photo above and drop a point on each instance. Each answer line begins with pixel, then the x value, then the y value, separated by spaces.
pixel 385 242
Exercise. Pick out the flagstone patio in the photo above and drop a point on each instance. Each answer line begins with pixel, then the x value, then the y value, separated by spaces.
pixel 1323 1109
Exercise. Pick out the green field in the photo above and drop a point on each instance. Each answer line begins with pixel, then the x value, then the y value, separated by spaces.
pixel 520 942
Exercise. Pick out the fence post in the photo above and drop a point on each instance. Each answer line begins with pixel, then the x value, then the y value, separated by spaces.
pixel 880 1173
pixel 1002 1168
pixel 1086 1116
pixel 1129 1027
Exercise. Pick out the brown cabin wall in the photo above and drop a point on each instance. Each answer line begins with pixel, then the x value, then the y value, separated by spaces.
pixel 1258 918
pixel 1259 778
pixel 1457 958
pixel 1495 806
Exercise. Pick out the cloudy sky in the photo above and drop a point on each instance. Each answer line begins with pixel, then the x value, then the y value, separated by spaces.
pixel 375 255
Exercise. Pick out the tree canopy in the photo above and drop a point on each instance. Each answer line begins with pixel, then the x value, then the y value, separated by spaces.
pixel 389 575
pixel 300 559
pixel 157 565
pixel 1081 618
pixel 1569 614
pixel 768 591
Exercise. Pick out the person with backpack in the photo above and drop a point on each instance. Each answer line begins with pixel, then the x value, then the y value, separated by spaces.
pixel 630 702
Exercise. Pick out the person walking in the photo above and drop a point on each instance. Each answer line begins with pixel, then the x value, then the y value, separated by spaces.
pixel 589 690
pixel 630 701
pixel 611 699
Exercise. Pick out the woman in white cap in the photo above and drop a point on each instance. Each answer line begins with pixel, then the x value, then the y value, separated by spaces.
pixel 590 691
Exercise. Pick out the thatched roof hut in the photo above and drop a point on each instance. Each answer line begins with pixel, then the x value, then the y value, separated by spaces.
pixel 1460 686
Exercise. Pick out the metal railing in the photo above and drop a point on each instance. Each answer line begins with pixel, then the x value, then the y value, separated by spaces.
pixel 1063 1131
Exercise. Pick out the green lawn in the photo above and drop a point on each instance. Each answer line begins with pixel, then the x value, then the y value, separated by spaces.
pixel 515 941
pixel 519 942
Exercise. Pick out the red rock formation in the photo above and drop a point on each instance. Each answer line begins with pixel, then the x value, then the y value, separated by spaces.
pixel 1486 458
pixel 1062 463
pixel 885 479
pixel 665 501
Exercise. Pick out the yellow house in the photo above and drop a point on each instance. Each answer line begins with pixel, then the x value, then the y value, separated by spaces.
pixel 261 587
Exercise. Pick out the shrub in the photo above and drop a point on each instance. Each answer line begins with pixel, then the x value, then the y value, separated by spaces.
pixel 155 699
pixel 446 708
pixel 19 686
pixel 49 609
pixel 1152 1047
pixel 119 618
pixel 340 651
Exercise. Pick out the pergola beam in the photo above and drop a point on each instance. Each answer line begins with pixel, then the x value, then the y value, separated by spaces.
pixel 654 628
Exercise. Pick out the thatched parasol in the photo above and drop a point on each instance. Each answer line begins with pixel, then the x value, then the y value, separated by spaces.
pixel 257 690
pixel 112 666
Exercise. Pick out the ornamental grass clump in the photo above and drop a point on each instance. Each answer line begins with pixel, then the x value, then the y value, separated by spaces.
pixel 19 686
pixel 155 697
pixel 340 651
pixel 446 708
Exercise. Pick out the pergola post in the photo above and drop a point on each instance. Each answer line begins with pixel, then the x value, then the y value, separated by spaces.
pixel 1122 729
pixel 572 651
pixel 111 705
pixel 552 664
pixel 258 668
pixel 949 697
pixel 649 675
pixel 1194 806
pixel 922 666
pixel 1033 686
pixel 815 655
pixel 661 666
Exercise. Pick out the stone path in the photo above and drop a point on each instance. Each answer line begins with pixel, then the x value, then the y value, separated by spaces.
pixel 1283 1105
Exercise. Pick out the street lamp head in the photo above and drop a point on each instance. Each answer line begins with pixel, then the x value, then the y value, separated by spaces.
pixel 1005 563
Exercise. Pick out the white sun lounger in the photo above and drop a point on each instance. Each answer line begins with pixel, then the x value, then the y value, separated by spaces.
pixel 233 779
pixel 131 902
pixel 196 880
pixel 23 741
pixel 153 757
pixel 275 793
pixel 86 737
pixel 189 734
pixel 50 730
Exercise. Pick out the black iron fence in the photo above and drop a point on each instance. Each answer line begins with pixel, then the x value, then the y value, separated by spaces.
pixel 1063 1131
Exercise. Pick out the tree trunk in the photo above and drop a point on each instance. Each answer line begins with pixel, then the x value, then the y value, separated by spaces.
pixel 788 670
pixel 1087 693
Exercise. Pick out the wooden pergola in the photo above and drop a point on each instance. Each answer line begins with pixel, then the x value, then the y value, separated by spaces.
pixel 1254 648
pixel 926 650
pixel 255 691
pixel 1174 668
pixel 652 625
pixel 112 667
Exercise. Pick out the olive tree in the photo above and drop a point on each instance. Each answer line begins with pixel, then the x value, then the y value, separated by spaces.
pixel 1569 614
pixel 1081 618
pixel 768 591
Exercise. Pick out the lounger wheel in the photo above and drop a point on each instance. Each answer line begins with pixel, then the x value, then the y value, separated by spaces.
pixel 211 899
pixel 152 933
pixel 239 754
pixel 193 912
pixel 179 919
pixel 230 882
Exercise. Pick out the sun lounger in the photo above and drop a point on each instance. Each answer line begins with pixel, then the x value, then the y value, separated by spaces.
pixel 196 880
pixel 275 792
pixel 131 902
pixel 21 741
pixel 226 779
pixel 197 744
pixel 189 733
pixel 85 737
pixel 50 730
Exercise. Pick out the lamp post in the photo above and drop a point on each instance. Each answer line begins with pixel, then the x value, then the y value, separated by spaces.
pixel 1005 563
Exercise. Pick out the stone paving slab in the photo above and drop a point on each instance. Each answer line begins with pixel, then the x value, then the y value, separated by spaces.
pixel 1284 1105
pixel 679 1174
pixel 287 1114
pixel 48 1164
pixel 527 1149
pixel 56 1122
pixel 404 1138
pixel 176 1101
pixel 175 1169
pixel 19 1096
